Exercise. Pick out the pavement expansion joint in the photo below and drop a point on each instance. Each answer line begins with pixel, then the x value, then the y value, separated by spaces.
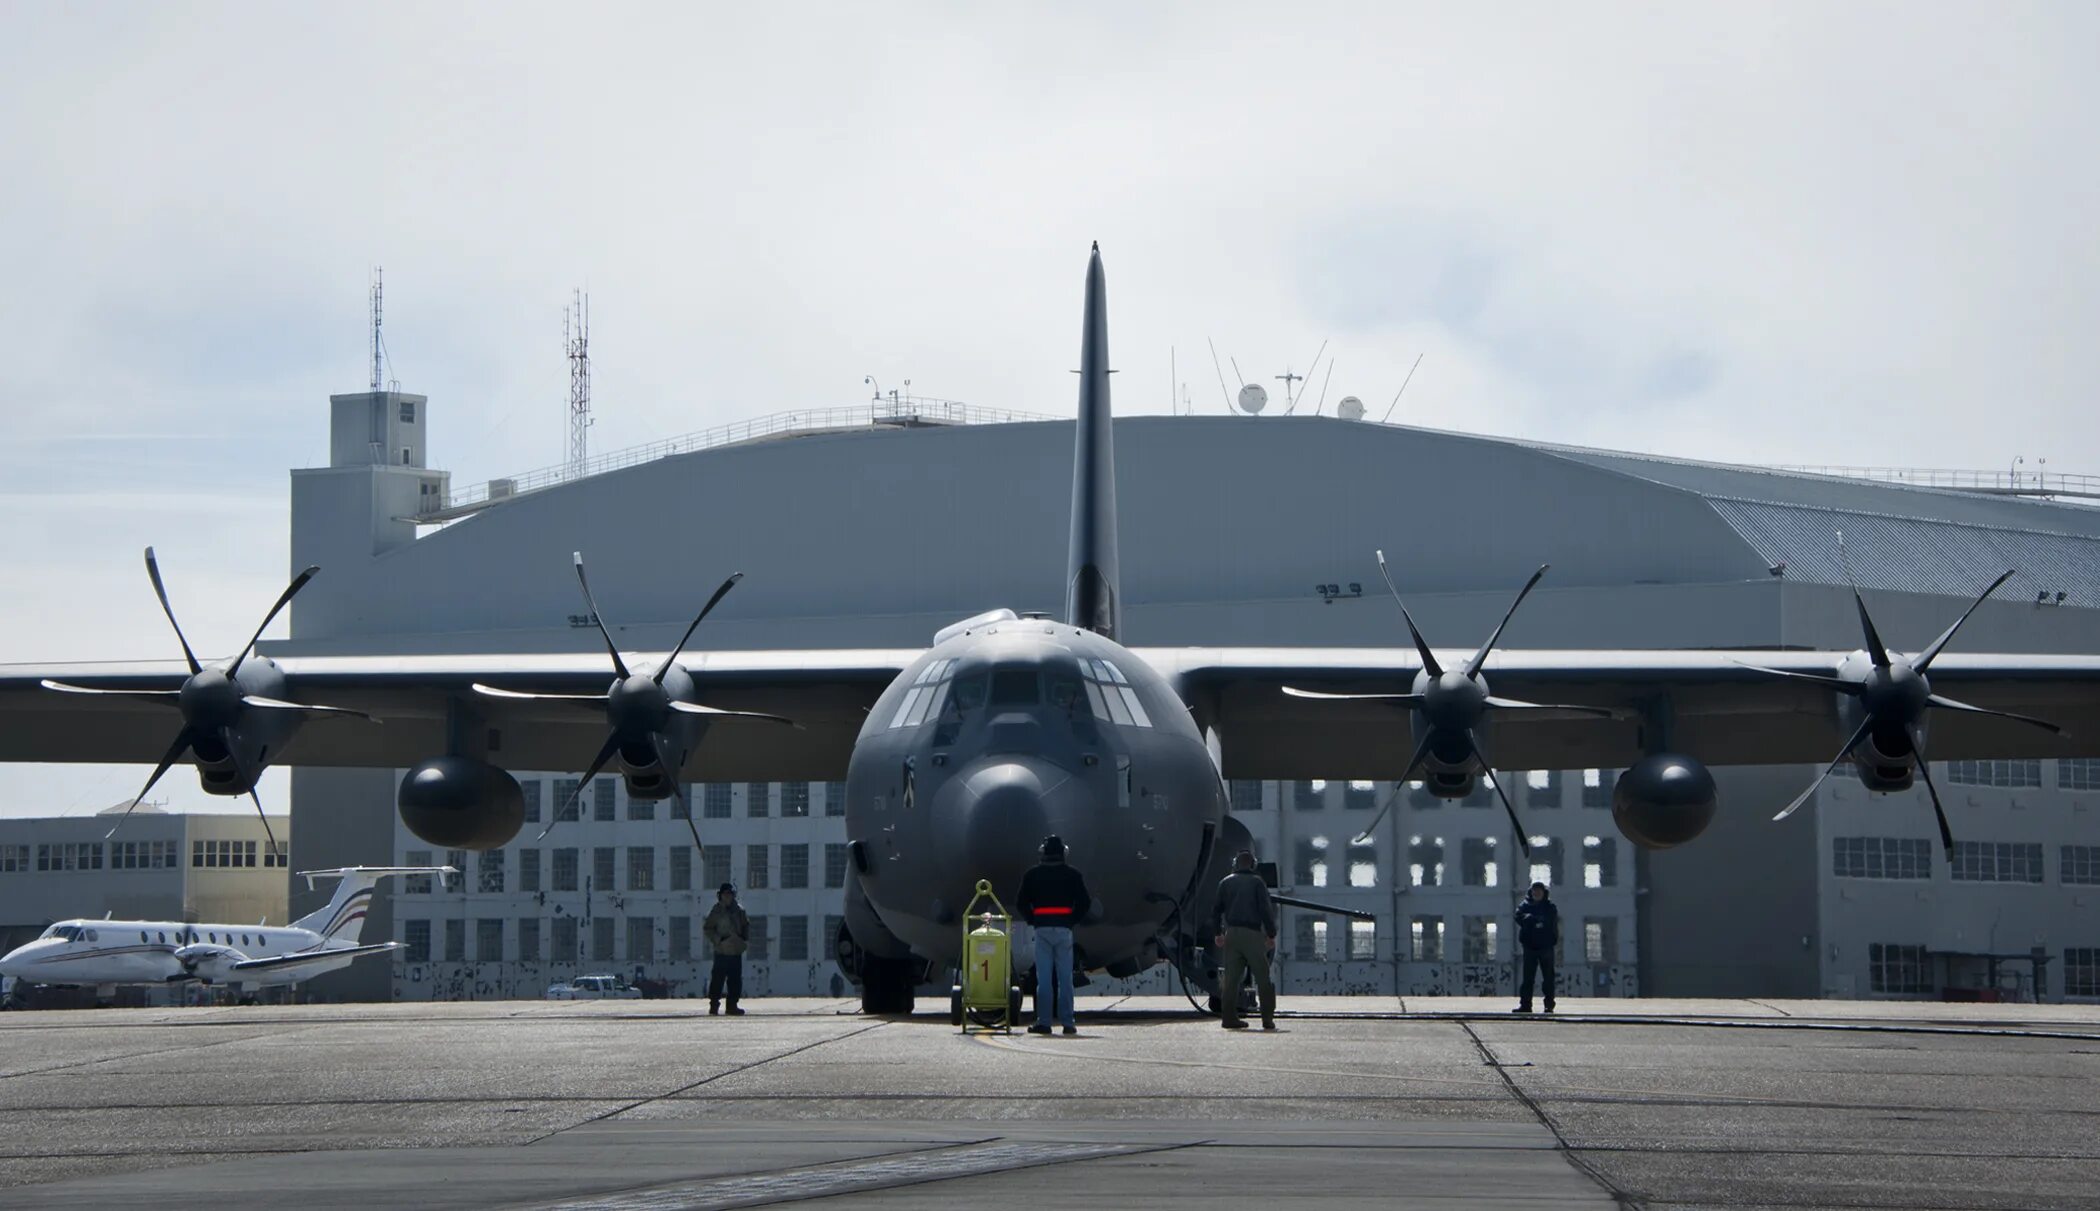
pixel 851 1177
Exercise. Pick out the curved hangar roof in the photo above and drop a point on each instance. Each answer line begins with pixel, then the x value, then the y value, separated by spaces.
pixel 1231 526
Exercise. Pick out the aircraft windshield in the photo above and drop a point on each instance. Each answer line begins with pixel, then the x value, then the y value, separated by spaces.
pixel 64 933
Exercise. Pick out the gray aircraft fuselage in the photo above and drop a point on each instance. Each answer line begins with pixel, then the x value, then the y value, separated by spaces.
pixel 1003 734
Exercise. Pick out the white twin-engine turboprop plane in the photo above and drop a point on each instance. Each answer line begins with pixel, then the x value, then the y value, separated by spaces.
pixel 106 953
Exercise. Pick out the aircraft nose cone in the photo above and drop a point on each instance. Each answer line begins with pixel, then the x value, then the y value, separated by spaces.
pixel 998 814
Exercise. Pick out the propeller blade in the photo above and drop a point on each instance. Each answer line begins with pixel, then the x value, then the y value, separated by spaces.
pixel 663 758
pixel 279 704
pixel 1926 657
pixel 161 591
pixel 167 762
pixel 612 745
pixel 1917 749
pixel 715 712
pixel 264 817
pixel 1322 695
pixel 525 696
pixel 283 599
pixel 1488 771
pixel 719 595
pixel 1429 663
pixel 1858 734
pixel 1875 649
pixel 1941 700
pixel 1514 704
pixel 160 696
pixel 1421 751
pixel 1480 657
pixel 619 665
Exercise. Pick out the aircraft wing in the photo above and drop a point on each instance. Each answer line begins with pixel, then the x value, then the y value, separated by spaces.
pixel 1712 704
pixel 422 700
pixel 312 958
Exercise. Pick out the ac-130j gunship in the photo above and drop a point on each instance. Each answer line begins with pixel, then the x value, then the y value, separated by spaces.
pixel 960 757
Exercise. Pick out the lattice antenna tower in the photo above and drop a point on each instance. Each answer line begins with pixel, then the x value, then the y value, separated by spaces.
pixel 378 280
pixel 576 338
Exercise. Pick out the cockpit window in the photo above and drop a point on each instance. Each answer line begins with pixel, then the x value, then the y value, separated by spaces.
pixel 64 933
pixel 926 691
pixel 1016 687
pixel 1110 693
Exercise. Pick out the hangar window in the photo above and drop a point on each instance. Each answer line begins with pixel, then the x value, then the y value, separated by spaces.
pixel 1363 865
pixel 456 941
pixel 714 801
pixel 1542 788
pixel 1546 854
pixel 1312 938
pixel 1596 787
pixel 2014 773
pixel 1312 862
pixel 1600 940
pixel 528 939
pixel 1477 865
pixel 2080 864
pixel 681 868
pixel 1479 939
pixel 1896 968
pixel 794 938
pixel 565 870
pixel 1246 795
pixel 1426 939
pixel 529 870
pixel 564 940
pixel 1310 796
pixel 1880 858
pixel 1363 939
pixel 1600 862
pixel 565 795
pixel 416 935
pixel 2078 773
pixel 416 885
pixel 408 412
pixel 1360 795
pixel 2081 971
pixel 834 798
pixel 1997 862
pixel 1425 861
pixel 794 799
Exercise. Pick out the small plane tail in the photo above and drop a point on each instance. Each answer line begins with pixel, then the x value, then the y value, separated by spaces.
pixel 342 919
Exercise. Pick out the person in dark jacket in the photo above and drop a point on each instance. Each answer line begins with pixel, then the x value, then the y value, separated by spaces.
pixel 1053 898
pixel 1538 933
pixel 728 932
pixel 1243 926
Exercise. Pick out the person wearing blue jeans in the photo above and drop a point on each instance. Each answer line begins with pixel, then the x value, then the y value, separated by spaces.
pixel 1053 898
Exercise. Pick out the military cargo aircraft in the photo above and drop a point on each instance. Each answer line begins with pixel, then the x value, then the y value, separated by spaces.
pixel 958 758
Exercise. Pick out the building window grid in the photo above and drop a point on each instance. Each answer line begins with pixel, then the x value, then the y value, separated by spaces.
pixel 681 868
pixel 2013 772
pixel 1597 787
pixel 758 798
pixel 417 885
pixel 1480 938
pixel 604 868
pixel 1363 940
pixel 834 798
pixel 681 938
pixel 835 858
pixel 488 940
pixel 604 799
pixel 14 858
pixel 567 801
pixel 491 870
pixel 415 936
pixel 639 808
pixel 2079 864
pixel 758 873
pixel 528 939
pixel 530 789
pixel 1426 939
pixel 601 939
pixel 2078 773
pixel 565 870
pixel 760 944
pixel 715 801
pixel 641 868
pixel 714 863
pixel 1997 862
pixel 1246 795
pixel 794 867
pixel 1896 968
pixel 794 800
pixel 1880 858
pixel 641 939
pixel 2082 971
pixel 794 939
pixel 529 870
pixel 1309 796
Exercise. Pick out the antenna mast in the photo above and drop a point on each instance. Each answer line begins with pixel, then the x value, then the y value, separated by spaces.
pixel 378 279
pixel 576 341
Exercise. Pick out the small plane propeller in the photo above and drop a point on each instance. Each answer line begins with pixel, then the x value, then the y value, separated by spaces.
pixel 1894 696
pixel 638 709
pixel 1452 703
pixel 212 700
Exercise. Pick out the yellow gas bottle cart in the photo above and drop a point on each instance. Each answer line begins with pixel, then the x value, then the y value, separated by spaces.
pixel 987 998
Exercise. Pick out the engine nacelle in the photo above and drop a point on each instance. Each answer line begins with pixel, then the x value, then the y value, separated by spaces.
pixel 1665 799
pixel 209 963
pixel 461 803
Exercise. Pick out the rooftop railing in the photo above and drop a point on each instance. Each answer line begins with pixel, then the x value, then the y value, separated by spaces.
pixel 1989 483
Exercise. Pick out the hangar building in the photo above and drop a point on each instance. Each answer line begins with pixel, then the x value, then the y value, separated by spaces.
pixel 874 526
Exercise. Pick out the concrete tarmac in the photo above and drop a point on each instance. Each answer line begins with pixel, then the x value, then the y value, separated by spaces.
pixel 1355 1102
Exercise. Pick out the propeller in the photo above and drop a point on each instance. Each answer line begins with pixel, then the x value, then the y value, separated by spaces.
pixel 211 700
pixel 638 707
pixel 1894 697
pixel 1452 703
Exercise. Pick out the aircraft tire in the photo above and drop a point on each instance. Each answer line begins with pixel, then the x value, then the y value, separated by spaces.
pixel 885 986
pixel 955 1005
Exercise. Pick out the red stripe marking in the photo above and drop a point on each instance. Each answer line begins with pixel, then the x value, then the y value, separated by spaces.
pixel 1053 912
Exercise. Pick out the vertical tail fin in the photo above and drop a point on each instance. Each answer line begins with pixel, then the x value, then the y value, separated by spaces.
pixel 1093 586
pixel 343 918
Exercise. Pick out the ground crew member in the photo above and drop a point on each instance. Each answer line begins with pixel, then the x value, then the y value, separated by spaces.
pixel 728 932
pixel 1243 925
pixel 1538 932
pixel 1053 898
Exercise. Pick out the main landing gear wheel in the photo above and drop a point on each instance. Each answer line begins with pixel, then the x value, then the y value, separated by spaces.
pixel 886 986
pixel 955 1005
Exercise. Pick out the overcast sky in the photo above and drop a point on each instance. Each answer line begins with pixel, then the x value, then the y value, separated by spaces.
pixel 1769 233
